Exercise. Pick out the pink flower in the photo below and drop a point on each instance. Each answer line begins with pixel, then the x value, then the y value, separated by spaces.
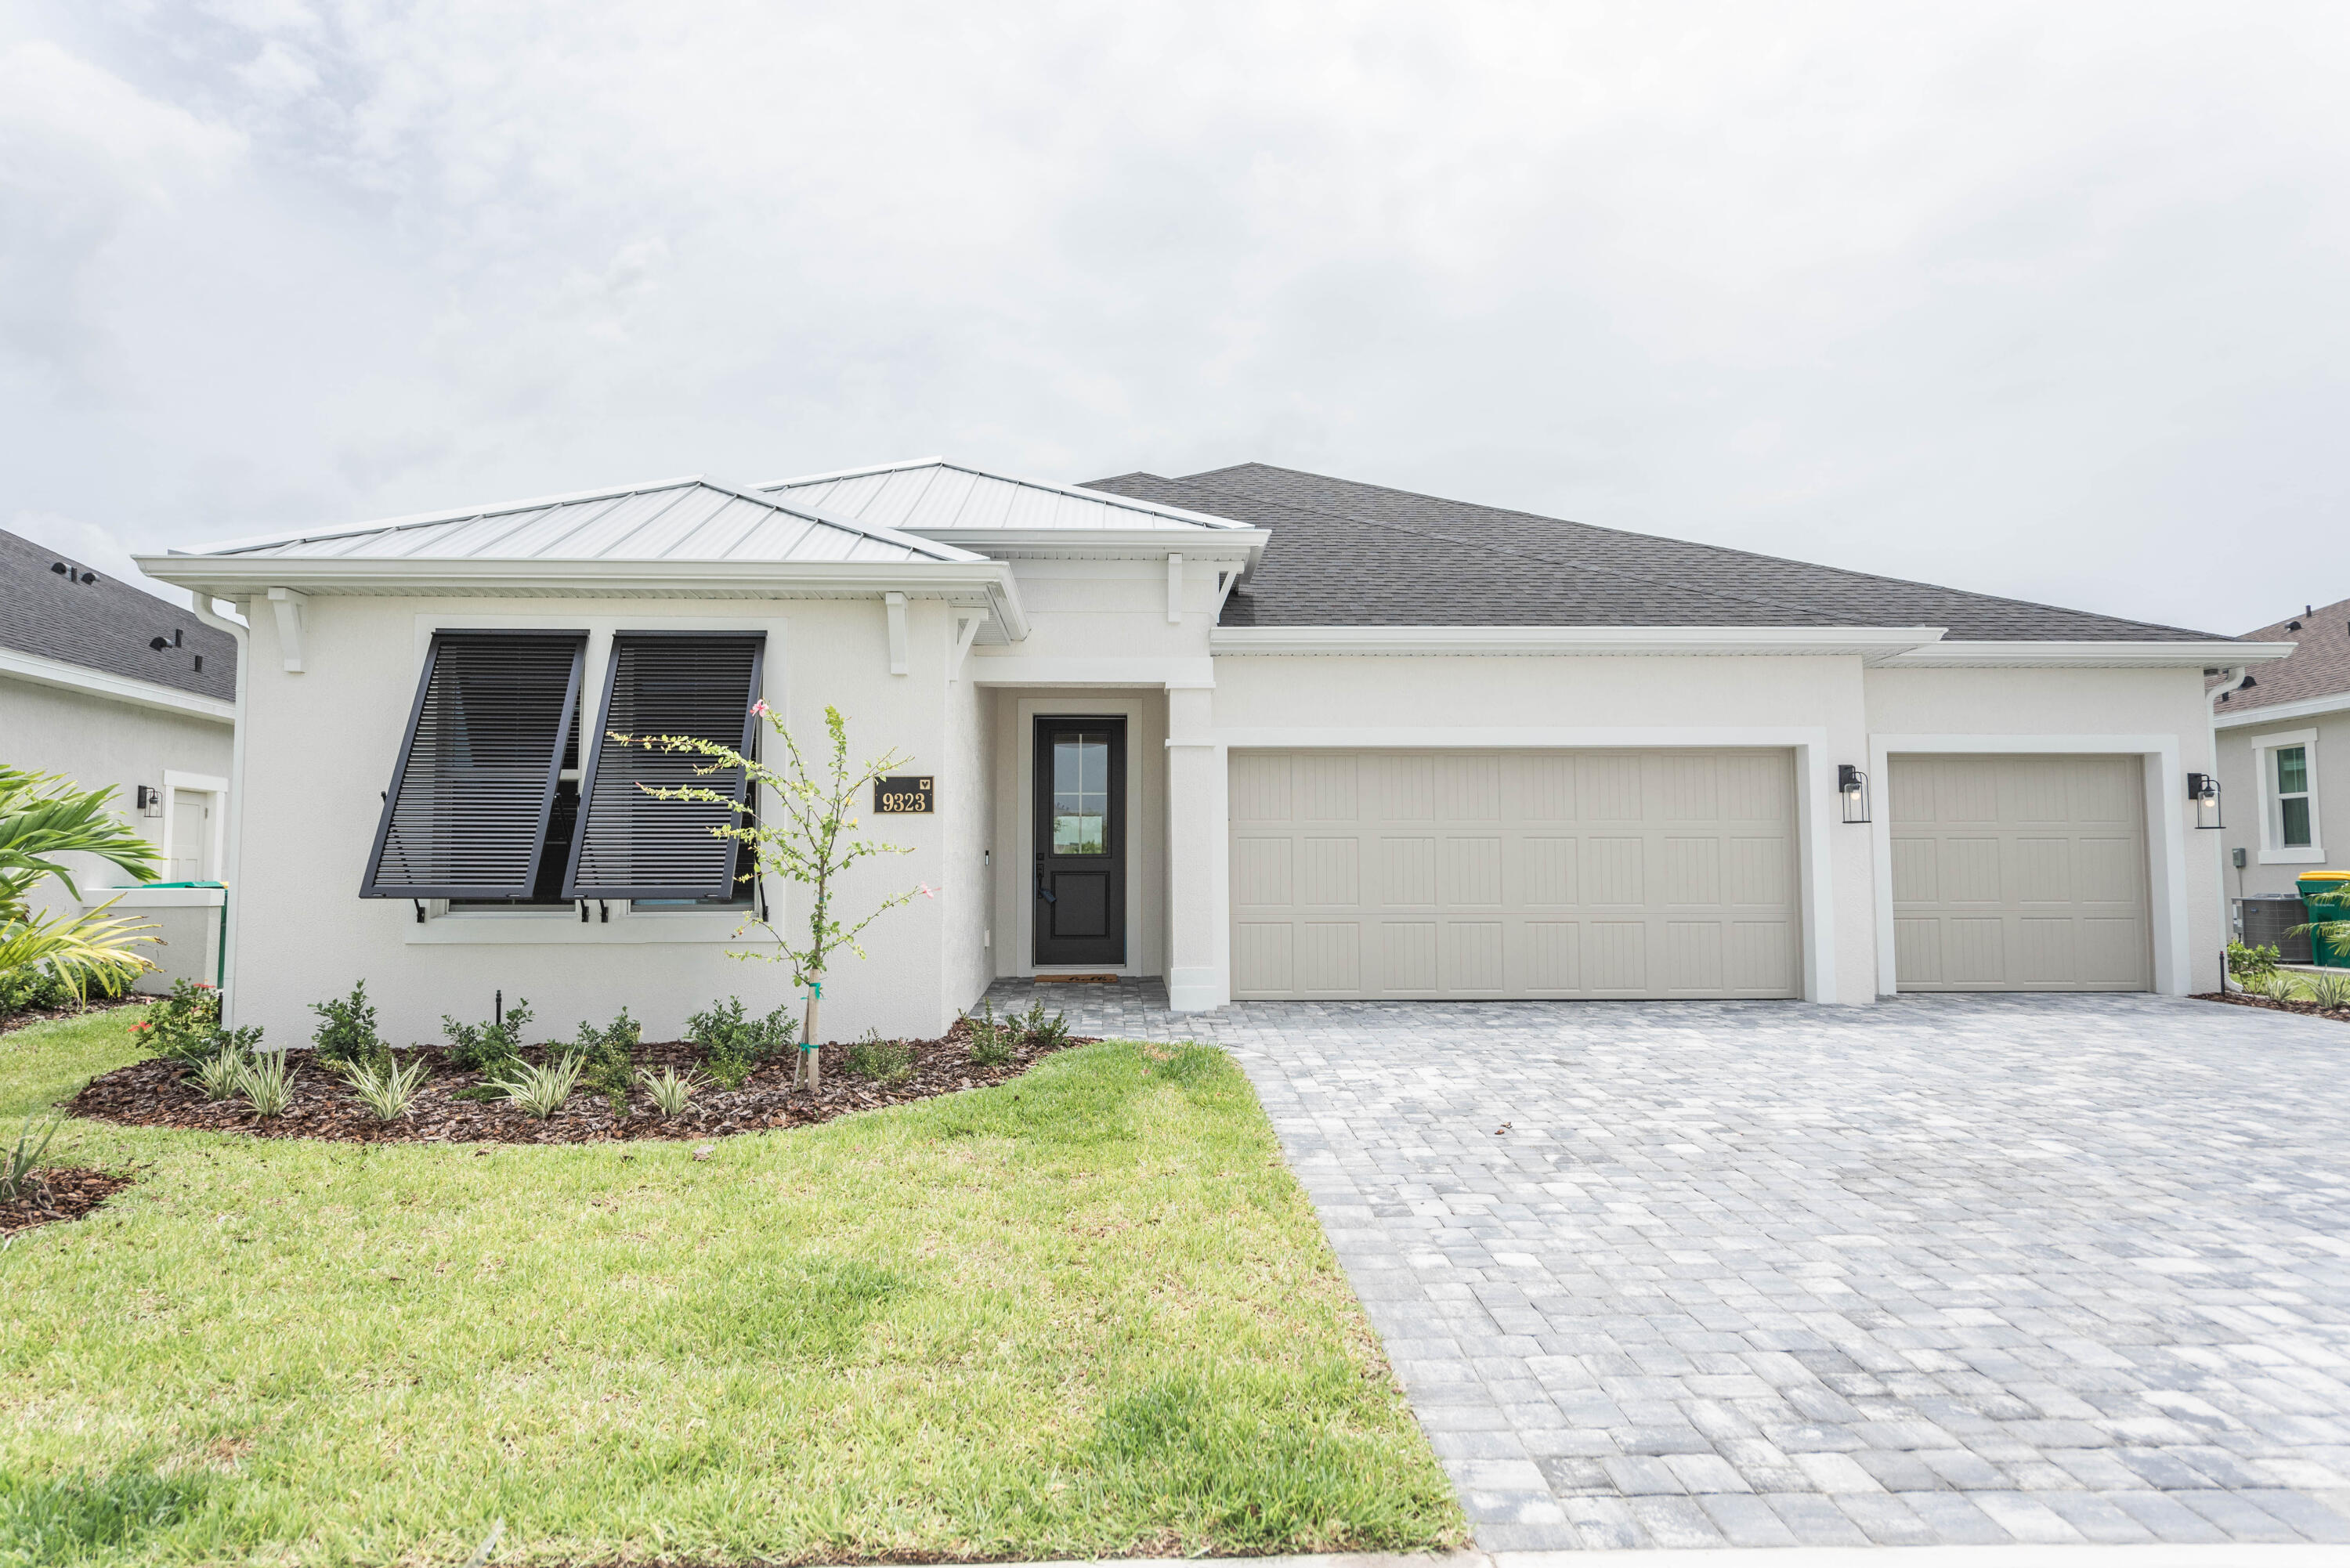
pixel 925 890
pixel 761 707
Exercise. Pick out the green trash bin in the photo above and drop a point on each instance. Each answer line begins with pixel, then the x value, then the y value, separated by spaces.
pixel 2325 894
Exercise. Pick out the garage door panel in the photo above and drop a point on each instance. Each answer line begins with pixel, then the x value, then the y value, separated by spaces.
pixel 2024 873
pixel 1498 874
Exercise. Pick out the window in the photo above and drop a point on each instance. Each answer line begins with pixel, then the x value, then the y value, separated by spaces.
pixel 2293 796
pixel 2291 829
pixel 1081 795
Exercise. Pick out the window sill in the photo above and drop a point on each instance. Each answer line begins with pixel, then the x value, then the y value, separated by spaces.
pixel 2310 856
pixel 487 927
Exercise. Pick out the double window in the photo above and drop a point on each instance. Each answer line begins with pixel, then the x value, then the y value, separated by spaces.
pixel 491 802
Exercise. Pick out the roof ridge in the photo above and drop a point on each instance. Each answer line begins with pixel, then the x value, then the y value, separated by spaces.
pixel 1133 502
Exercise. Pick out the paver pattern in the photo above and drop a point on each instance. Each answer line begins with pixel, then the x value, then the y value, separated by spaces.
pixel 1942 1270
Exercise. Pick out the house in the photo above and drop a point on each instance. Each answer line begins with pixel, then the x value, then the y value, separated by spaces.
pixel 109 685
pixel 2284 741
pixel 1263 734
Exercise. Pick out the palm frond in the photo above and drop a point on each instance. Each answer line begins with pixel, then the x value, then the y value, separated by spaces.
pixel 82 948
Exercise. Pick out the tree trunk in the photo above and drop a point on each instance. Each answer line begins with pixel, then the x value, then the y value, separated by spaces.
pixel 811 1067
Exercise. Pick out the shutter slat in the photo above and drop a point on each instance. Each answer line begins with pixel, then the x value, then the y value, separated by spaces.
pixel 631 845
pixel 466 812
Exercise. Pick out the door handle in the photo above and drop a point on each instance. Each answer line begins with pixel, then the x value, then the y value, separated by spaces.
pixel 1044 892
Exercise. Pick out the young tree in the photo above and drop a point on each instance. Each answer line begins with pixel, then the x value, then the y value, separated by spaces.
pixel 811 839
pixel 42 817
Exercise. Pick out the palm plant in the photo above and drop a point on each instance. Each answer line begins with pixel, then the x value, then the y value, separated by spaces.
pixel 42 817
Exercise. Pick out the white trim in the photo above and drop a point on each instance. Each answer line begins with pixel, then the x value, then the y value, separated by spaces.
pixel 150 898
pixel 175 784
pixel 894 607
pixel 1876 643
pixel 2307 708
pixel 1174 590
pixel 1240 545
pixel 563 927
pixel 989 668
pixel 233 854
pixel 1201 520
pixel 2166 826
pixel 2023 655
pixel 1818 808
pixel 38 671
pixel 2271 852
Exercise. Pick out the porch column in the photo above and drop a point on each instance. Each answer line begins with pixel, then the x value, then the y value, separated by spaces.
pixel 1199 975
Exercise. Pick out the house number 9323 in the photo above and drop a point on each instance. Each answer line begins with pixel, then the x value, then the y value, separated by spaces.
pixel 902 794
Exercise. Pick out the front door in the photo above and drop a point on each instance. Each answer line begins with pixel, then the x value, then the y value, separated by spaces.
pixel 1080 884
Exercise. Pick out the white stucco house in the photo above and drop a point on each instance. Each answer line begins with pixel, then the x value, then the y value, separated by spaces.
pixel 1263 734
pixel 2285 758
pixel 109 685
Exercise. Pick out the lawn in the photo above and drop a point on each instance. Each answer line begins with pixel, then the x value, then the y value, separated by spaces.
pixel 1086 1312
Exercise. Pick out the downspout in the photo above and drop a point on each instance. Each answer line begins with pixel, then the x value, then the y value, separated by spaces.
pixel 207 611
pixel 2234 676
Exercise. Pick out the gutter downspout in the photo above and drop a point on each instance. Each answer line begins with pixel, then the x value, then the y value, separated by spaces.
pixel 2236 675
pixel 232 908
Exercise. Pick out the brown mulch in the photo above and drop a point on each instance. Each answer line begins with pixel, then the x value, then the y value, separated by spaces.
pixel 60 1192
pixel 2240 999
pixel 157 1093
pixel 24 1015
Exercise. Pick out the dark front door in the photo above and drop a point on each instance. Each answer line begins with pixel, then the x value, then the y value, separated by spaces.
pixel 1080 888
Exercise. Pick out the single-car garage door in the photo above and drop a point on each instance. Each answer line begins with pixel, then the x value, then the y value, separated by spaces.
pixel 2020 874
pixel 1500 874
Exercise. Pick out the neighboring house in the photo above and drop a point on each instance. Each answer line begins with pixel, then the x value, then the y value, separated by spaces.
pixel 109 685
pixel 2283 739
pixel 1264 734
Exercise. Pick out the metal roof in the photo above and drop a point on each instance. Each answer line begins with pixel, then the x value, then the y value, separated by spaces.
pixel 690 519
pixel 929 494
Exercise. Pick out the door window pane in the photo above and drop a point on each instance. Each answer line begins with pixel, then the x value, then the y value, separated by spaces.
pixel 2292 770
pixel 1081 795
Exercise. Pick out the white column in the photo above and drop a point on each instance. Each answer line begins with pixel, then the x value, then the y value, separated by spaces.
pixel 1199 975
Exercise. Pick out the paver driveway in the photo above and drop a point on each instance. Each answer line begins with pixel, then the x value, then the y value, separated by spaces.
pixel 1948 1269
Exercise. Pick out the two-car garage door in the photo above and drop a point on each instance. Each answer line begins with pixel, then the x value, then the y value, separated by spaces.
pixel 1523 873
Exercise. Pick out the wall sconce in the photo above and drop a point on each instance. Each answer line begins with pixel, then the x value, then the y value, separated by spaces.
pixel 1853 786
pixel 150 800
pixel 2204 791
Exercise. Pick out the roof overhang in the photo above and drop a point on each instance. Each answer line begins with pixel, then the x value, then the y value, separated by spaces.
pixel 35 669
pixel 2196 655
pixel 1875 644
pixel 234 578
pixel 1240 545
pixel 2305 708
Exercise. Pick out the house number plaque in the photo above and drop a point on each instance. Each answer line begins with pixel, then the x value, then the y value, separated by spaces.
pixel 902 794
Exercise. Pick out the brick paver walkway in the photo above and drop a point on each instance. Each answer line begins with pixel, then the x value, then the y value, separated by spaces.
pixel 1944 1270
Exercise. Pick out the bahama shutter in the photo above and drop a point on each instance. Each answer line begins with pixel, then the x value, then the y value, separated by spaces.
pixel 631 845
pixel 467 812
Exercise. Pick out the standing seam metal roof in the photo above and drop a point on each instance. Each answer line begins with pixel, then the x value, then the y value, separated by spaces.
pixel 931 493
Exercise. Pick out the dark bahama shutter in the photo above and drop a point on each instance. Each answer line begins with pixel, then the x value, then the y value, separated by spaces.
pixel 630 844
pixel 466 815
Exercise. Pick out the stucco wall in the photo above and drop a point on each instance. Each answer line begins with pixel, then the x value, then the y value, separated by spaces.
pixel 321 746
pixel 2244 801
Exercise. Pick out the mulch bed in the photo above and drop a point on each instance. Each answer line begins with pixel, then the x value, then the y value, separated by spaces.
pixel 60 1192
pixel 24 1015
pixel 157 1093
pixel 2241 999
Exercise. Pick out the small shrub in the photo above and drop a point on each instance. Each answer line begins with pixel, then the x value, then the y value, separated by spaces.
pixel 266 1082
pixel 21 1165
pixel 607 1059
pixel 37 985
pixel 883 1061
pixel 2330 988
pixel 184 1025
pixel 387 1088
pixel 541 1090
pixel 2276 986
pixel 217 1074
pixel 1045 1034
pixel 487 1048
pixel 347 1030
pixel 733 1045
pixel 991 1044
pixel 669 1091
pixel 2246 965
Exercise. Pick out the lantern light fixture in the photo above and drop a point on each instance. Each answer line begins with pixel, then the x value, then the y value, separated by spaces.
pixel 2203 789
pixel 1853 786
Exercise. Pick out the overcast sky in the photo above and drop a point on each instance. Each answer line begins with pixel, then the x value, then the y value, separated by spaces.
pixel 2044 300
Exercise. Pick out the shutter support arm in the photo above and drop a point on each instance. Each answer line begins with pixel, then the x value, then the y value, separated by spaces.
pixel 896 604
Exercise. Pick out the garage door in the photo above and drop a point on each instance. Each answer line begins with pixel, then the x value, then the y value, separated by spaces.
pixel 1500 874
pixel 2019 874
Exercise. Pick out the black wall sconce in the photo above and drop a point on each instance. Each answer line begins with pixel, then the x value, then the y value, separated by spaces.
pixel 2204 791
pixel 1853 786
pixel 150 800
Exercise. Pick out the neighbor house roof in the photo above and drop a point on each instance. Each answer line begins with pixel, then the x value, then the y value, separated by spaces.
pixel 1345 554
pixel 929 493
pixel 691 519
pixel 107 625
pixel 2313 677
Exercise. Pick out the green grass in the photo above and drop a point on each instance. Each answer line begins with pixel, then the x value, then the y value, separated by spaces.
pixel 1086 1312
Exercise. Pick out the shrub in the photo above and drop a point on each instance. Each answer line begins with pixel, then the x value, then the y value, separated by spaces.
pixel 217 1073
pixel 266 1082
pixel 2276 986
pixel 733 1045
pixel 883 1061
pixel 669 1091
pixel 607 1059
pixel 1045 1034
pixel 2330 988
pixel 20 1167
pixel 487 1048
pixel 2249 964
pixel 991 1044
pixel 40 985
pixel 184 1025
pixel 386 1087
pixel 346 1031
pixel 541 1090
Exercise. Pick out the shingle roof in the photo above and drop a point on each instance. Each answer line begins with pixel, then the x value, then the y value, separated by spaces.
pixel 929 494
pixel 2319 667
pixel 105 625
pixel 1344 554
pixel 691 519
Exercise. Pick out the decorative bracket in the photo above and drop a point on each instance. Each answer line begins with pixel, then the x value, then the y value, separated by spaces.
pixel 1174 590
pixel 897 609
pixel 291 625
pixel 967 625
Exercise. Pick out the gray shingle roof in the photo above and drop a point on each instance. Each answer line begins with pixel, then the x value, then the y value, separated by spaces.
pixel 1344 554
pixel 105 625
pixel 2319 667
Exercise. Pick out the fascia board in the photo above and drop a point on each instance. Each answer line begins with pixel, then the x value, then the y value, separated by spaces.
pixel 2091 655
pixel 1107 544
pixel 41 671
pixel 234 576
pixel 1871 642
pixel 445 515
pixel 2306 707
